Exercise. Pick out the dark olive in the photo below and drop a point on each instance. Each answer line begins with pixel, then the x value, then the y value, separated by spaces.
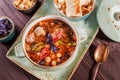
pixel 67 55
pixel 42 62
pixel 53 48
pixel 49 38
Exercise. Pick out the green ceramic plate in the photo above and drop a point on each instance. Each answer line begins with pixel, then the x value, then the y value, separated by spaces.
pixel 89 25
pixel 108 17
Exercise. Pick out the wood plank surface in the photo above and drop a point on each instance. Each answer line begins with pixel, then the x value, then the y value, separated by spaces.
pixel 109 70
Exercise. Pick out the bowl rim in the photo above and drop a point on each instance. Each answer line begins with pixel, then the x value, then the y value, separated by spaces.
pixel 69 60
pixel 13 26
pixel 77 17
pixel 25 9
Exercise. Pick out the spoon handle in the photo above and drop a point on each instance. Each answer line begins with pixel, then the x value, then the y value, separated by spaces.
pixel 95 70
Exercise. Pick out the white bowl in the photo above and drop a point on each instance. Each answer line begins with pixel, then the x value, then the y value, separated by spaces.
pixel 67 62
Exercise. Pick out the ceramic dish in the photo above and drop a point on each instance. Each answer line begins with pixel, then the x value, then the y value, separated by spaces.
pixel 67 62
pixel 75 18
pixel 109 19
pixel 86 28
pixel 11 34
pixel 29 10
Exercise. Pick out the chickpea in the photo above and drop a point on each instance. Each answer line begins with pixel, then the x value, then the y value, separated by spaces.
pixel 26 7
pixel 21 6
pixel 53 56
pixel 47 59
pixel 16 3
pixel 25 1
pixel 19 1
pixel 54 62
pixel 59 55
pixel 29 4
pixel 58 60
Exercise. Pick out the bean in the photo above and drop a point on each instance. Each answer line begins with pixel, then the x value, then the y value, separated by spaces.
pixel 53 63
pixel 58 60
pixel 59 55
pixel 53 56
pixel 47 59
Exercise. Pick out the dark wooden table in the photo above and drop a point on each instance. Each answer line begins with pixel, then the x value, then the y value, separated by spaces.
pixel 109 70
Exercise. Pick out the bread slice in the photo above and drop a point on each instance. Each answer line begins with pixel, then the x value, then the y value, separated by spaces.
pixel 73 8
pixel 85 2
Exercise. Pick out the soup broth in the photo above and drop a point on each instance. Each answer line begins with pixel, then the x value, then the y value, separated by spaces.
pixel 50 42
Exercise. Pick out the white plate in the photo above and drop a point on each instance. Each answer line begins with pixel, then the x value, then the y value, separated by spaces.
pixel 109 24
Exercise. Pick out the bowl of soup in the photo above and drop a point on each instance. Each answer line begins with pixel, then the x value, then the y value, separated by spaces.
pixel 75 9
pixel 50 42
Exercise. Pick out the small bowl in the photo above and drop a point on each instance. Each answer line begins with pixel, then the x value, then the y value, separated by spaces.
pixel 76 18
pixel 70 59
pixel 29 10
pixel 11 34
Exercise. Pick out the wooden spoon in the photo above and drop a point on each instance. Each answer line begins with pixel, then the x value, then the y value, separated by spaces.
pixel 100 55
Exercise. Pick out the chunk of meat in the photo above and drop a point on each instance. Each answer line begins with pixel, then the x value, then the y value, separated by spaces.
pixel 39 31
pixel 30 38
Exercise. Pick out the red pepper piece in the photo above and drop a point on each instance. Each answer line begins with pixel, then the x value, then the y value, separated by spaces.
pixel 57 34
pixel 44 52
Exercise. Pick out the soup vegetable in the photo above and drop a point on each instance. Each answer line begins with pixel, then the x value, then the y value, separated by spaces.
pixel 50 42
